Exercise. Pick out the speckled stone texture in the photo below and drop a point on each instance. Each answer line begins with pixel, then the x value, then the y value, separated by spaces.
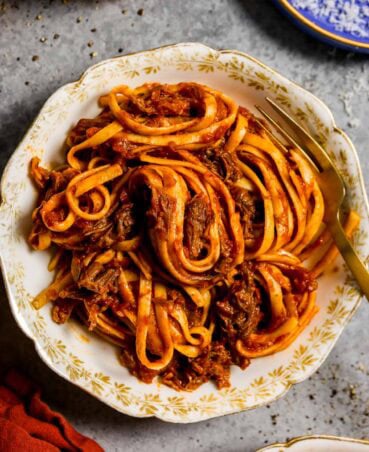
pixel 44 45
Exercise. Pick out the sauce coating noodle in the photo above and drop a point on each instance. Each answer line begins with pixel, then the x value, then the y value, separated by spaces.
pixel 182 233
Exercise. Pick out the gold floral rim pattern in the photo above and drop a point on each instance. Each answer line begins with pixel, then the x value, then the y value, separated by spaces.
pixel 267 378
pixel 308 438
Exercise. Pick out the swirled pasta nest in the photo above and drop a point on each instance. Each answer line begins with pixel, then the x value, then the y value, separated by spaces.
pixel 182 232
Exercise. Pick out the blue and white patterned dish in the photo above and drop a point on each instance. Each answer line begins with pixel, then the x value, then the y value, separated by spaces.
pixel 343 23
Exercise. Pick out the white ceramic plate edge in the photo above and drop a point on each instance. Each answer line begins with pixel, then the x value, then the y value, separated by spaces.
pixel 25 328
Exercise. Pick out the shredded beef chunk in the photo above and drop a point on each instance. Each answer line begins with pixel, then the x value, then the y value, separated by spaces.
pixel 159 214
pixel 226 248
pixel 162 101
pixel 246 205
pixel 98 233
pixel 239 311
pixel 122 225
pixel 79 132
pixel 99 279
pixel 88 298
pixel 62 310
pixel 122 147
pixel 124 221
pixel 129 359
pixel 188 374
pixel 197 219
pixel 221 163
pixel 244 201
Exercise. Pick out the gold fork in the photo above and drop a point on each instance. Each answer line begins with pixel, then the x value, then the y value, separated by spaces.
pixel 331 185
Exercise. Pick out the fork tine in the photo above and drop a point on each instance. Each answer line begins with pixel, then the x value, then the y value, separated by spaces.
pixel 286 135
pixel 270 134
pixel 307 141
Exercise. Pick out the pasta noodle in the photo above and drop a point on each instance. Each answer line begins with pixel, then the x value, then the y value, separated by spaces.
pixel 182 233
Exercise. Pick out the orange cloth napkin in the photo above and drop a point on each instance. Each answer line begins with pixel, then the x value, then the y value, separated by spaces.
pixel 27 424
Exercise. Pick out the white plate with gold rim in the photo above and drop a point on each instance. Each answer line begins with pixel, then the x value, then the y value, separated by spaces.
pixel 319 443
pixel 91 363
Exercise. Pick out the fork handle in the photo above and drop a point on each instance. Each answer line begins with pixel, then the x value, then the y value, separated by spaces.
pixel 353 261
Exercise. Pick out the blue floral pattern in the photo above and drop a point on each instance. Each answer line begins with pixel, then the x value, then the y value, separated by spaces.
pixel 350 17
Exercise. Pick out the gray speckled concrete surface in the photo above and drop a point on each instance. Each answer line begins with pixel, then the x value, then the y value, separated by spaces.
pixel 44 45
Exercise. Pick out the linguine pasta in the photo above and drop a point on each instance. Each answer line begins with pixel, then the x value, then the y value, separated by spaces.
pixel 182 233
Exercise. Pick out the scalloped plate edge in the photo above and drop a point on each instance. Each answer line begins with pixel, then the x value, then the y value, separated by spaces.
pixel 25 328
